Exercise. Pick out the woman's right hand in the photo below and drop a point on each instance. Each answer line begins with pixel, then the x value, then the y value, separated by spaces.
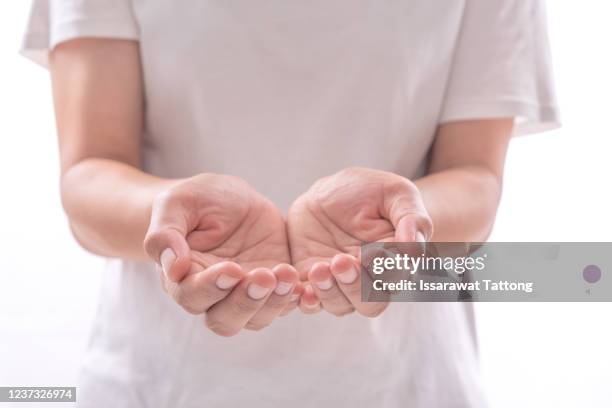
pixel 223 251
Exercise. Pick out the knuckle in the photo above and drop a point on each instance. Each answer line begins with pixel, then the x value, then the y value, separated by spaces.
pixel 370 313
pixel 206 292
pixel 288 310
pixel 337 301
pixel 189 308
pixel 342 312
pixel 184 301
pixel 242 307
pixel 373 311
pixel 174 195
pixel 276 302
pixel 428 226
pixel 218 327
pixel 152 240
pixel 166 200
pixel 353 290
pixel 256 326
pixel 156 239
pixel 174 199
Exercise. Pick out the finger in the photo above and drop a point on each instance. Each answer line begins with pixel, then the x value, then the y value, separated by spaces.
pixel 230 315
pixel 165 239
pixel 286 279
pixel 346 271
pixel 325 287
pixel 294 300
pixel 309 302
pixel 201 290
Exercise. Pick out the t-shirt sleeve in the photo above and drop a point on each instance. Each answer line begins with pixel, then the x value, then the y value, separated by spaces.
pixel 502 66
pixel 54 21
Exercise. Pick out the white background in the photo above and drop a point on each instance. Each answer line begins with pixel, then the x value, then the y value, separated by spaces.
pixel 557 189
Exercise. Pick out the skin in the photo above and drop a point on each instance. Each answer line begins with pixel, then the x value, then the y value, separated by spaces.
pixel 224 251
pixel 329 222
pixel 208 222
pixel 336 216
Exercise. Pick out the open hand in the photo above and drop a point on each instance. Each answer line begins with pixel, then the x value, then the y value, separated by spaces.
pixel 328 224
pixel 223 251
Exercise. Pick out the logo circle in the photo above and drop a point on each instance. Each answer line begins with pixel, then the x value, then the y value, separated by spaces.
pixel 591 273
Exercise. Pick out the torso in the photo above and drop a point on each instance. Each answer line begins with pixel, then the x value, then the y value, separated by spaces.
pixel 281 93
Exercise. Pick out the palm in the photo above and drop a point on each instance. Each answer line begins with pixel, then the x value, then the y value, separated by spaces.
pixel 226 220
pixel 329 220
pixel 357 205
pixel 254 237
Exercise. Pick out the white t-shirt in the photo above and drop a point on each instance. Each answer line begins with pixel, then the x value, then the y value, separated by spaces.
pixel 282 92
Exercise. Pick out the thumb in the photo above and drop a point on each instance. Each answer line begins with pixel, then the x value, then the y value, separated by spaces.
pixel 409 216
pixel 166 244
pixel 411 229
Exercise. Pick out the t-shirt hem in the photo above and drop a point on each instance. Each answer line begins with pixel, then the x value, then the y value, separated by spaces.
pixel 530 117
pixel 37 44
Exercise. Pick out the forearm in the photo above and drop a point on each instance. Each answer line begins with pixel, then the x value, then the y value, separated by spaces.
pixel 462 202
pixel 108 204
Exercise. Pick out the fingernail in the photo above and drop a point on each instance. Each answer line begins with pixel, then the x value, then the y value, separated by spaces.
pixel 283 288
pixel 294 297
pixel 166 259
pixel 324 285
pixel 311 306
pixel 257 292
pixel 225 282
pixel 347 277
pixel 420 238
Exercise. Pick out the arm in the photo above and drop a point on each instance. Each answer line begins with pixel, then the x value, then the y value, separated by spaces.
pixel 98 97
pixel 458 198
pixel 464 182
pixel 221 245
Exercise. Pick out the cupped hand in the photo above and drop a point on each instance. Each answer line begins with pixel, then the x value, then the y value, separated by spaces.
pixel 328 224
pixel 223 251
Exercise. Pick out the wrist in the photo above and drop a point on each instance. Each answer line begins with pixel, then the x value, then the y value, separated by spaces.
pixel 108 204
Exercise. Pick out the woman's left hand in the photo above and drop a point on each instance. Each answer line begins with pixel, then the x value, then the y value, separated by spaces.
pixel 328 224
